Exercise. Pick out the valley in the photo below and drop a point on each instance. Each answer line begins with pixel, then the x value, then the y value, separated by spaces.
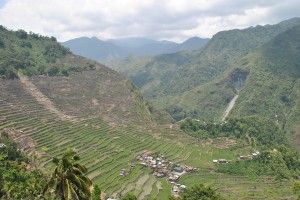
pixel 201 83
pixel 106 150
pixel 160 118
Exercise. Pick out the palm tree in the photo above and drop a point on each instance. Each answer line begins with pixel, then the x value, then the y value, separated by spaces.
pixel 68 179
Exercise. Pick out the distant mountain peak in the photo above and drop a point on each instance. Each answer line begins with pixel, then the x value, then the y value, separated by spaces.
pixel 107 50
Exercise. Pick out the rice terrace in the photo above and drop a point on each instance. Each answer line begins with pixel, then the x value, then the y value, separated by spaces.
pixel 168 115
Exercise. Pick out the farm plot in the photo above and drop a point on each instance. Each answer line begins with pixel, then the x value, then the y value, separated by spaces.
pixel 107 150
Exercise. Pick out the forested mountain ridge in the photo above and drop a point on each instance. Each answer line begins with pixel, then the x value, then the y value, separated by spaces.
pixel 273 85
pixel 189 83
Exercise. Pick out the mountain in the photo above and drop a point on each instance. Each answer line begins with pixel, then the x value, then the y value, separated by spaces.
pixel 110 50
pixel 193 43
pixel 132 42
pixel 95 49
pixel 52 100
pixel 193 84
pixel 54 76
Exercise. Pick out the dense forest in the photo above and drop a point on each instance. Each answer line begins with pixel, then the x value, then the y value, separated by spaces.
pixel 33 54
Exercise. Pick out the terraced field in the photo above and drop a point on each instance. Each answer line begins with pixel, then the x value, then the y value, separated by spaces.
pixel 105 150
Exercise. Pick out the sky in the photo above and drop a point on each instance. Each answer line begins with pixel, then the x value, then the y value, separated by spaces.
pixel 174 20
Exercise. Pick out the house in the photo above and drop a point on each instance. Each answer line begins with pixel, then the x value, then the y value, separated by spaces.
pixel 247 157
pixel 153 162
pixel 173 178
pixel 256 153
pixel 2 145
pixel 223 161
pixel 175 189
pixel 189 168
pixel 182 187
pixel 122 172
pixel 159 174
pixel 178 169
pixel 153 166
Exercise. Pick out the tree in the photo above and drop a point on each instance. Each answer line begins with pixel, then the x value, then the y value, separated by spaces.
pixel 129 196
pixel 96 193
pixel 200 192
pixel 68 179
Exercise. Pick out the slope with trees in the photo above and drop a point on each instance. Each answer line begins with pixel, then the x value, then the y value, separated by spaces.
pixel 196 83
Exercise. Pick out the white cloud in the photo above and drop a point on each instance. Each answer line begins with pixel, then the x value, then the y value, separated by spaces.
pixel 159 19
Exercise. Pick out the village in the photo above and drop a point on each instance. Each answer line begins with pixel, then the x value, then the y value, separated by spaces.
pixel 163 168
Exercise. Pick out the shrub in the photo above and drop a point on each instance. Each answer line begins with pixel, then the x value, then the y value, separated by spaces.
pixel 53 71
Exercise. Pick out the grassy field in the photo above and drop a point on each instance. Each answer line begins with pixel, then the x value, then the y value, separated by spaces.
pixel 105 150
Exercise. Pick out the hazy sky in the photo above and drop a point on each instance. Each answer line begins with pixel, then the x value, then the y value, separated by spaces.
pixel 158 19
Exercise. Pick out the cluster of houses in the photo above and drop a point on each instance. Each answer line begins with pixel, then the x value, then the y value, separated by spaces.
pixel 249 156
pixel 164 168
pixel 242 157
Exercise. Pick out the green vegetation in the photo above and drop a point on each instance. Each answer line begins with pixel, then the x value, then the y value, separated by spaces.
pixel 199 192
pixel 68 179
pixel 102 115
pixel 283 163
pixel 257 131
pixel 106 150
pixel 200 84
pixel 19 179
pixel 276 158
pixel 96 195
pixel 296 189
pixel 33 54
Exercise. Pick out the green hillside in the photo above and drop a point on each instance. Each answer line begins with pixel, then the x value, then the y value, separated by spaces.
pixel 99 113
pixel 274 79
pixel 32 54
pixel 198 83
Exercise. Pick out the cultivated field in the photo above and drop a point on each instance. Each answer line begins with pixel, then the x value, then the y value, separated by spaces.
pixel 105 150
